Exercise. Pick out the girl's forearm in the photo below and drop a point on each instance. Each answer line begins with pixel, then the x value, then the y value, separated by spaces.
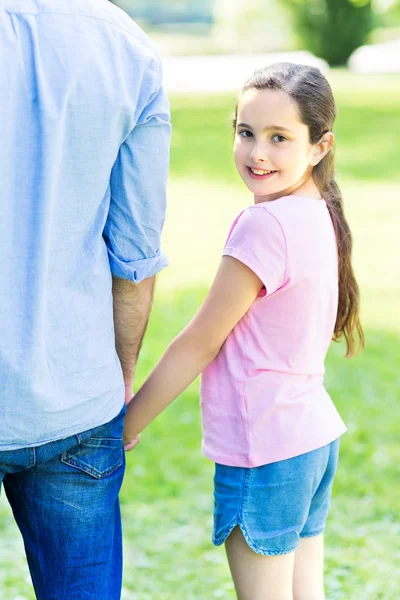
pixel 182 362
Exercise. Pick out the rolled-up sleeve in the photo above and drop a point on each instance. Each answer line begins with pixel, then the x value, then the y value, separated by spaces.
pixel 138 192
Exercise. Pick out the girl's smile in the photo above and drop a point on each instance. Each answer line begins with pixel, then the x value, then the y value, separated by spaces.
pixel 258 173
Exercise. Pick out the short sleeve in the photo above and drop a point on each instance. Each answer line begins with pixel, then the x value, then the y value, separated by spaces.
pixel 257 240
pixel 138 192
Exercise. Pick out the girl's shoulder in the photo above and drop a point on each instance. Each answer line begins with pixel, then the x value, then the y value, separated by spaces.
pixel 264 214
pixel 257 239
pixel 280 218
pixel 295 209
pixel 256 224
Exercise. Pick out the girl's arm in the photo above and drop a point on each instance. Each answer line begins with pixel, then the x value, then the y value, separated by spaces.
pixel 233 292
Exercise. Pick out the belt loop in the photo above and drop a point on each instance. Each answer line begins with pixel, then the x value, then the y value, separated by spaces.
pixel 32 457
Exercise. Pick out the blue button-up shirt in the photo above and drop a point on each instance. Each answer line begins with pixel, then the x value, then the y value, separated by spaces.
pixel 84 148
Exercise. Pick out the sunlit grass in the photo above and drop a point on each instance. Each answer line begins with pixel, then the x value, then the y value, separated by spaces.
pixel 167 494
pixel 175 482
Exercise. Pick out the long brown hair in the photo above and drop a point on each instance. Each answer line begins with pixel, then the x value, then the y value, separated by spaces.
pixel 313 96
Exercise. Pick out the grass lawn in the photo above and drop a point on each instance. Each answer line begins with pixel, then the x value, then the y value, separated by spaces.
pixel 167 494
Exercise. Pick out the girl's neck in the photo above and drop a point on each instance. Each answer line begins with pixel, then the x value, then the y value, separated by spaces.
pixel 307 189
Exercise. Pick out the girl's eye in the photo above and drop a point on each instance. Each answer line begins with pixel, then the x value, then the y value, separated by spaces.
pixel 245 133
pixel 278 138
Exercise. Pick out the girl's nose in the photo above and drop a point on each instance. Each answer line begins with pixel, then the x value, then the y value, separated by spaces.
pixel 257 154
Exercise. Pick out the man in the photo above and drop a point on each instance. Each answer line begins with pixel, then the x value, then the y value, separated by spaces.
pixel 84 125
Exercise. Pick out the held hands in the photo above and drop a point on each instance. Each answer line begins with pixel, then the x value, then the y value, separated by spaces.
pixel 129 442
pixel 130 445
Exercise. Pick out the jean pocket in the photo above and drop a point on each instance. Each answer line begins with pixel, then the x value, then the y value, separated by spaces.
pixel 96 456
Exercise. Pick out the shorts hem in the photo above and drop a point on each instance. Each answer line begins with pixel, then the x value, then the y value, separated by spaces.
pixel 222 539
pixel 312 534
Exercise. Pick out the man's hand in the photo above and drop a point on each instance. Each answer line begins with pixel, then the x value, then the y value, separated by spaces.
pixel 129 444
pixel 128 392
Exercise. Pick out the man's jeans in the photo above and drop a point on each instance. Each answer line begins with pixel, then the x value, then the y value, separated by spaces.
pixel 64 496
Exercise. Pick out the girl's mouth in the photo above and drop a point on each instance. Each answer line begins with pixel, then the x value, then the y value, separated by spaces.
pixel 259 173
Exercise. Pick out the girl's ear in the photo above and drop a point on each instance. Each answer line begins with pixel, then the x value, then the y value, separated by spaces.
pixel 322 148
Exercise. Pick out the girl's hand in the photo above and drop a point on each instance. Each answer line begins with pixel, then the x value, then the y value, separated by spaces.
pixel 130 445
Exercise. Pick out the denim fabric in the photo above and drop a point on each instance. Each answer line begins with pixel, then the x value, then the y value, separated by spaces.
pixel 275 504
pixel 64 496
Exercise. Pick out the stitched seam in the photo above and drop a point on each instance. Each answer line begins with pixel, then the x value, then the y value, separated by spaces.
pixel 284 239
pixel 106 439
pixel 90 470
pixel 245 418
pixel 258 549
pixel 244 490
pixel 249 453
pixel 221 539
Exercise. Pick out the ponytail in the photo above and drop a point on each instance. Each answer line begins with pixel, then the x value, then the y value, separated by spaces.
pixel 348 315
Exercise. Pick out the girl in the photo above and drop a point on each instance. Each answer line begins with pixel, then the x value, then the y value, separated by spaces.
pixel 284 289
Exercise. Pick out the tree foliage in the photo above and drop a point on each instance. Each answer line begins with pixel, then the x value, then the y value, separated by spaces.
pixel 332 29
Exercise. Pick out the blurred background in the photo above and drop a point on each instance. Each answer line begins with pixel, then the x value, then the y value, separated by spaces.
pixel 210 47
pixel 234 26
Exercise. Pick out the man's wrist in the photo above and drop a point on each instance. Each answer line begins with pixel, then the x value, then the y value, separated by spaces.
pixel 128 391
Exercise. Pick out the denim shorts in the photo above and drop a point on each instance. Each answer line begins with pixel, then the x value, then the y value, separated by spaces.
pixel 276 504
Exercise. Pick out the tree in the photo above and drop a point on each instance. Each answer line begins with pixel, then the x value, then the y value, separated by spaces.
pixel 332 29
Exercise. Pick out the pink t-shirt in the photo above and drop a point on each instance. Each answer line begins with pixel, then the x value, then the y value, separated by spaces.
pixel 263 397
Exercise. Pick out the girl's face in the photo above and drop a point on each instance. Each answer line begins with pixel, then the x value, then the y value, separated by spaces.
pixel 272 150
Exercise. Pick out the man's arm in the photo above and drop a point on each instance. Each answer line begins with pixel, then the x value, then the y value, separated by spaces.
pixel 132 306
pixel 136 217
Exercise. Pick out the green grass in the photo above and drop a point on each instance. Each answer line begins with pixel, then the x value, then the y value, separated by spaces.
pixel 175 490
pixel 167 494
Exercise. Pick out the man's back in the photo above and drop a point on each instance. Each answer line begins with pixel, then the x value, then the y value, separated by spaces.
pixel 79 100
